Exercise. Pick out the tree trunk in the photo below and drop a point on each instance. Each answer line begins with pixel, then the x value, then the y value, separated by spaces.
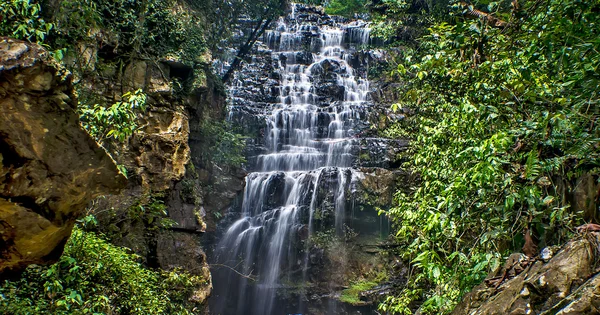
pixel 260 28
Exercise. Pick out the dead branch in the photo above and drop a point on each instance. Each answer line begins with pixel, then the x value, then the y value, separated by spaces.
pixel 248 276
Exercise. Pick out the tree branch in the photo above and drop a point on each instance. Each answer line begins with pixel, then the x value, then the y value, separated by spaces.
pixel 260 28
pixel 473 13
pixel 248 276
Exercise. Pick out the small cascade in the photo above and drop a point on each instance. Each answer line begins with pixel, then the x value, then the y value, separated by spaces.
pixel 320 105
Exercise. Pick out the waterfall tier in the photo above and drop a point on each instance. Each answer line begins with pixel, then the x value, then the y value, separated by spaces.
pixel 304 99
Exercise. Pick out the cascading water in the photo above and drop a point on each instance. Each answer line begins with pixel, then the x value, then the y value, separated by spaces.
pixel 310 139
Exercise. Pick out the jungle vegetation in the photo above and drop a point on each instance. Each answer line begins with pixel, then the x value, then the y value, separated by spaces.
pixel 505 126
pixel 95 277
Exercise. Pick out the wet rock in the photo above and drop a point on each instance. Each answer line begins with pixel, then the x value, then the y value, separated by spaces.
pixel 225 187
pixel 377 186
pixel 326 71
pixel 387 93
pixel 304 58
pixel 567 283
pixel 380 152
pixel 333 92
pixel 186 207
pixel 50 167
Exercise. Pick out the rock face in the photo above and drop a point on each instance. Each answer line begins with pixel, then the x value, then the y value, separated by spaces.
pixel 49 167
pixel 159 152
pixel 163 159
pixel 567 284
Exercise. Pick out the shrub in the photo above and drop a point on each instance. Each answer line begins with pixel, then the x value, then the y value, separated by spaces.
pixel 117 121
pixel 21 19
pixel 96 277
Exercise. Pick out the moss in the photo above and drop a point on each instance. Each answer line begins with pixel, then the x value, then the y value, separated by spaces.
pixel 187 187
pixel 200 80
pixel 351 295
pixel 191 192
pixel 191 170
pixel 364 156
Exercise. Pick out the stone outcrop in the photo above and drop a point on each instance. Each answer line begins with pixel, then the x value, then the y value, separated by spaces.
pixel 163 161
pixel 566 284
pixel 159 151
pixel 50 168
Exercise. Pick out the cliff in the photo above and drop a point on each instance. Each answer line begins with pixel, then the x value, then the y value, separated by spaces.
pixel 50 168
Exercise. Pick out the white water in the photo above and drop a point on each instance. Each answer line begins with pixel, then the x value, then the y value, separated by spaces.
pixel 308 142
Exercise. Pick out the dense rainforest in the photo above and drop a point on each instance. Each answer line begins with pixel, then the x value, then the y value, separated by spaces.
pixel 499 102
pixel 507 125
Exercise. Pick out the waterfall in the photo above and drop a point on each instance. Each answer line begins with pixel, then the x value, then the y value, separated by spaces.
pixel 309 150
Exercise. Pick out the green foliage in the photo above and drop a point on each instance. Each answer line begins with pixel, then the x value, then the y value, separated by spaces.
pixel 96 277
pixel 504 119
pixel 154 28
pixel 400 22
pixel 152 211
pixel 118 121
pixel 347 8
pixel 22 19
pixel 224 147
pixel 75 20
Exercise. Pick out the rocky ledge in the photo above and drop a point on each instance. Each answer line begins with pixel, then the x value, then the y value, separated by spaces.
pixel 49 167
pixel 563 281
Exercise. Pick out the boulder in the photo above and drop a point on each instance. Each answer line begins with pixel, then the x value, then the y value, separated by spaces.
pixel 50 168
pixel 568 283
